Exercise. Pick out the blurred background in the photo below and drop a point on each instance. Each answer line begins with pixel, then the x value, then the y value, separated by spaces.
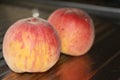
pixel 110 3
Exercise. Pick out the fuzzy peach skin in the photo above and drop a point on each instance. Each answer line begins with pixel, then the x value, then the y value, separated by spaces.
pixel 31 45
pixel 75 28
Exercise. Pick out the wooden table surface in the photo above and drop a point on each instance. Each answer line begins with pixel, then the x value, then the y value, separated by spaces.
pixel 102 57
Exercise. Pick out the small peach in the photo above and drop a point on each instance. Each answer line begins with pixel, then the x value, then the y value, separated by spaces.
pixel 75 28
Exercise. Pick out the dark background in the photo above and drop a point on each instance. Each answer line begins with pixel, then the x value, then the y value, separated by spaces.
pixel 109 3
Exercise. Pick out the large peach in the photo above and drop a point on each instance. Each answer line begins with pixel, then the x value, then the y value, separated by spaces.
pixel 75 28
pixel 31 45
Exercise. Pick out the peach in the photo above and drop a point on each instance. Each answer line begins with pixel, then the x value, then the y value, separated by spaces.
pixel 31 45
pixel 75 28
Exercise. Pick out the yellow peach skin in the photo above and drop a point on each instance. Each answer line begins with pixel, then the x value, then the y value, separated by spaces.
pixel 31 45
